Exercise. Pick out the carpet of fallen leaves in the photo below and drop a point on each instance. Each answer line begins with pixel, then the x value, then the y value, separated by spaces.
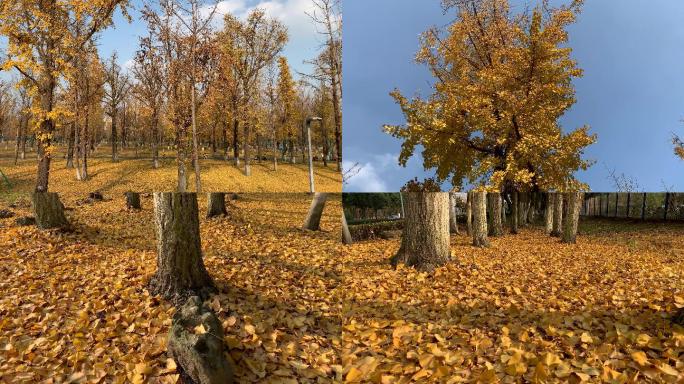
pixel 74 308
pixel 131 174
pixel 527 309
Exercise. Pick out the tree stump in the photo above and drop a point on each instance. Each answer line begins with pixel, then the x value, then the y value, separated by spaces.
pixel 180 269
pixel 557 229
pixel 346 235
pixel 496 226
pixel 425 238
pixel 574 201
pixel 48 210
pixel 133 200
pixel 480 219
pixel 313 218
pixel 196 344
pixel 548 213
pixel 453 219
pixel 216 204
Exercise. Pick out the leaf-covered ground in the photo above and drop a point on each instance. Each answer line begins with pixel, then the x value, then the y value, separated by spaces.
pixel 528 309
pixel 131 174
pixel 74 308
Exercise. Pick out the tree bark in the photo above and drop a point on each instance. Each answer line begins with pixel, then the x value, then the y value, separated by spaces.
pixel 480 219
pixel 523 205
pixel 133 200
pixel 548 212
pixel 180 269
pixel 469 213
pixel 48 210
pixel 313 218
pixel 495 224
pixel 425 238
pixel 574 201
pixel 236 144
pixel 557 215
pixel 346 235
pixel 453 219
pixel 70 145
pixel 515 207
pixel 115 153
pixel 216 204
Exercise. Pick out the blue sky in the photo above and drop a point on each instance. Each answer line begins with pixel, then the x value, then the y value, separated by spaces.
pixel 632 92
pixel 304 41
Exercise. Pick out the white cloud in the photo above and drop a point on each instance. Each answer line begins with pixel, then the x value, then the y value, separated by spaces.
pixel 367 179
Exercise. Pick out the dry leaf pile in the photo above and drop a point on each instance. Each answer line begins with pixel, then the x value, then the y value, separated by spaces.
pixel 528 309
pixel 74 307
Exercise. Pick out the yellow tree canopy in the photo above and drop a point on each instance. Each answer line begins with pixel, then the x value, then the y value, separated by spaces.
pixel 502 81
pixel 287 97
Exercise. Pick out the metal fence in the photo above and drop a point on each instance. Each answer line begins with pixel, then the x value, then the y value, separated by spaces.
pixel 644 206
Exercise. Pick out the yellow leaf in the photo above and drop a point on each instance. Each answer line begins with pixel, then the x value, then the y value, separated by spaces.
pixel 200 330
pixel 640 357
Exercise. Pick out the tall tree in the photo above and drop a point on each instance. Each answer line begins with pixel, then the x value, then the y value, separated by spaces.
pixel 287 98
pixel 117 86
pixel 42 47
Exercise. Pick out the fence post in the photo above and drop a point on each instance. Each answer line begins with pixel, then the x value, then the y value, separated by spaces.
pixel 667 204
pixel 629 197
pixel 643 208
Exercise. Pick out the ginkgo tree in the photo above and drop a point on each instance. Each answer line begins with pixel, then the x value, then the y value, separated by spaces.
pixel 502 81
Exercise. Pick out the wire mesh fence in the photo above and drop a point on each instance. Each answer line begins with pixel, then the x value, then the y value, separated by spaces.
pixel 644 206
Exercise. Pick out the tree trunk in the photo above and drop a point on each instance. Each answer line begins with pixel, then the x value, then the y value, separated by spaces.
pixel 480 219
pixel 574 202
pixel 469 213
pixel 70 145
pixel 523 201
pixel 216 204
pixel 48 210
pixel 548 213
pixel 495 225
pixel 155 141
pixel 425 238
pixel 346 235
pixel 557 215
pixel 236 144
pixel 453 219
pixel 180 269
pixel 246 147
pixel 515 197
pixel 133 200
pixel 115 154
pixel 313 218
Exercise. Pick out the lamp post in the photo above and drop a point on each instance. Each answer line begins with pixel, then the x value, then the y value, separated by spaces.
pixel 307 122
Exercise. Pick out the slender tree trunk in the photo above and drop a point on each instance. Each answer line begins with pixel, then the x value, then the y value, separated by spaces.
pixel 453 219
pixel 224 135
pixel 313 218
pixel 180 269
pixel 216 204
pixel 258 147
pixel 346 235
pixel 515 206
pixel 275 150
pixel 548 212
pixel 425 238
pixel 574 202
pixel 247 149
pixel 337 116
pixel 155 140
pixel 115 154
pixel 557 215
pixel 236 143
pixel 496 226
pixel 24 133
pixel 48 210
pixel 70 145
pixel 133 200
pixel 469 213
pixel 480 219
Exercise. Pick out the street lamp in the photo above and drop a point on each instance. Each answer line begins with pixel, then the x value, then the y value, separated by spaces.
pixel 307 122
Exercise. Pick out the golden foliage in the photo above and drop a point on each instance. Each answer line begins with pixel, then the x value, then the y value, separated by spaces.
pixel 74 305
pixel 527 309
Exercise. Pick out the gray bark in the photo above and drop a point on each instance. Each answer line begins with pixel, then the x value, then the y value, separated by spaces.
pixel 425 238
pixel 180 269
pixel 548 212
pixel 313 218
pixel 453 219
pixel 480 219
pixel 495 224
pixel 557 215
pixel 469 213
pixel 574 201
pixel 48 210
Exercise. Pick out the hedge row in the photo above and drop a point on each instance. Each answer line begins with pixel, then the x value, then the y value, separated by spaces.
pixel 372 230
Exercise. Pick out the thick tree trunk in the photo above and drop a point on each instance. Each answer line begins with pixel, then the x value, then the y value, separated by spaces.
pixel 557 215
pixel 48 210
pixel 495 224
pixel 313 218
pixel 574 202
pixel 133 200
pixel 548 212
pixel 425 238
pixel 469 213
pixel 180 269
pixel 480 219
pixel 216 204
pixel 346 235
pixel 515 207
pixel 453 219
